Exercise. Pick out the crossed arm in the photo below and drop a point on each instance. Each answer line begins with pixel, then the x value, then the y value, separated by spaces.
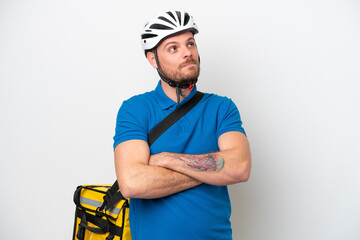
pixel 143 176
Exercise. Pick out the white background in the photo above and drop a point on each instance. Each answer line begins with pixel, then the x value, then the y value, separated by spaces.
pixel 292 68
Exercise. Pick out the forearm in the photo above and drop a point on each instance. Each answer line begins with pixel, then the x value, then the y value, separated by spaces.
pixel 220 168
pixel 153 182
pixel 137 179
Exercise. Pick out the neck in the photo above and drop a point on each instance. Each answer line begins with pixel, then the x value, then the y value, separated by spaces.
pixel 171 91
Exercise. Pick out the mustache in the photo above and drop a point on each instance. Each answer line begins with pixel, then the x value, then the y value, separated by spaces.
pixel 187 62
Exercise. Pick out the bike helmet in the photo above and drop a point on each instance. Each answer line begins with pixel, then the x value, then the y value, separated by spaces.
pixel 165 25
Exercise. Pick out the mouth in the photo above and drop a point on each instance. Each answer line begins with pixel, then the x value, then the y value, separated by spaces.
pixel 188 64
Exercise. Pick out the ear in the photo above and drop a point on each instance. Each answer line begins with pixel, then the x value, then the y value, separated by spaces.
pixel 151 58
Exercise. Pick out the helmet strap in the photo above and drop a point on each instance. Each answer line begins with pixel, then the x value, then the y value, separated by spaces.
pixel 178 93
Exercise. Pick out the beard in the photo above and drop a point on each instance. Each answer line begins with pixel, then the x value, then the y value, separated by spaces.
pixel 183 74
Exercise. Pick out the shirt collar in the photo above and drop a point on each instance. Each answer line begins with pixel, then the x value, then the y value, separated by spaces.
pixel 165 102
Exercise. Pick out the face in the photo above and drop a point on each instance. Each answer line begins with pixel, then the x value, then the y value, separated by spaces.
pixel 179 58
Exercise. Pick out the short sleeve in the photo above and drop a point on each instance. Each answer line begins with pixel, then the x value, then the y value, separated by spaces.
pixel 229 118
pixel 129 124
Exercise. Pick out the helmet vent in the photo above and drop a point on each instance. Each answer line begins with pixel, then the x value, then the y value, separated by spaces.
pixel 166 20
pixel 148 35
pixel 171 15
pixel 187 18
pixel 179 16
pixel 160 27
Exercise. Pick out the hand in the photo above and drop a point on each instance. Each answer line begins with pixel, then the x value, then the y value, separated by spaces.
pixel 158 159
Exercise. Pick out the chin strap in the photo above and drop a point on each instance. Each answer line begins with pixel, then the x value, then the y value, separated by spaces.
pixel 178 94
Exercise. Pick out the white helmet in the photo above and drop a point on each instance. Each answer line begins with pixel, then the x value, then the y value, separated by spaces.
pixel 165 25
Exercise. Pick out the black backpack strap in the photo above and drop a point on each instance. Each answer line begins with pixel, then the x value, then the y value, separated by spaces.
pixel 112 196
pixel 167 122
pixel 113 190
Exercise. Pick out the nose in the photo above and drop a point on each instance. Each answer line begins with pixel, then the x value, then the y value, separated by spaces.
pixel 187 52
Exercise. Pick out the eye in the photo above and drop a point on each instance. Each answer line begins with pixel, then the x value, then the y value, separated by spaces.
pixel 191 44
pixel 172 49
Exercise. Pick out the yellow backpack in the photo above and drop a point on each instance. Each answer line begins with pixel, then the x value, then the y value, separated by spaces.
pixel 102 213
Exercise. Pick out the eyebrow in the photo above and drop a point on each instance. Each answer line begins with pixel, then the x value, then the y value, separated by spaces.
pixel 173 42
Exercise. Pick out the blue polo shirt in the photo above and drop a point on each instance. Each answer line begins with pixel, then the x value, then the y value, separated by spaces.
pixel 202 212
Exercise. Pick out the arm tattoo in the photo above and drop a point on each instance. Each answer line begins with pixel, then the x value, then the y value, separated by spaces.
pixel 208 162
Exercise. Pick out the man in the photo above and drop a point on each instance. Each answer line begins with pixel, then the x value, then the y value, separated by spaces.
pixel 178 185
